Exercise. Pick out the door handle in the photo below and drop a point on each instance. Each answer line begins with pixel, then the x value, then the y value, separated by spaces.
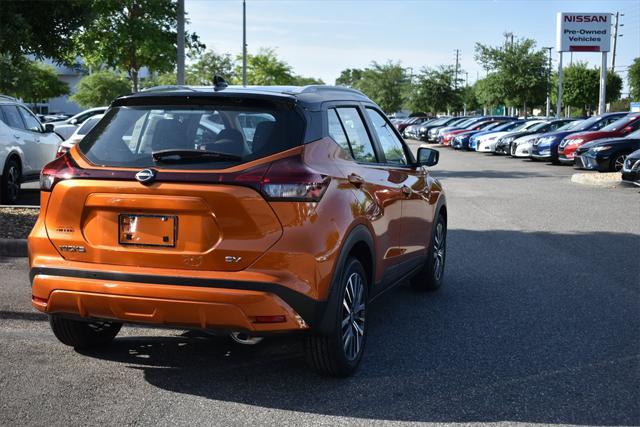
pixel 406 190
pixel 355 179
pixel 16 136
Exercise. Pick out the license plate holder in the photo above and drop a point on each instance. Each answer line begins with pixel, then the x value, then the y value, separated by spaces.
pixel 147 230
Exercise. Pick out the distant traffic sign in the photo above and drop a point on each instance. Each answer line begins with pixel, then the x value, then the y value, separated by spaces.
pixel 635 107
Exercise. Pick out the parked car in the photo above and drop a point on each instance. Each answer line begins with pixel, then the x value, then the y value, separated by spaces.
pixel 77 136
pixel 546 147
pixel 463 140
pixel 486 141
pixel 25 147
pixel 65 128
pixel 620 128
pixel 445 137
pixel 631 168
pixel 410 121
pixel 522 147
pixel 505 143
pixel 413 131
pixel 429 132
pixel 296 229
pixel 607 154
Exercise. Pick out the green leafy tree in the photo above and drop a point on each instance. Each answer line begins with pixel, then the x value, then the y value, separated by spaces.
pixel 489 91
pixel 469 98
pixel 42 29
pixel 520 68
pixel 130 34
pixel 349 77
pixel 304 81
pixel 581 87
pixel 633 77
pixel 434 90
pixel 386 84
pixel 29 80
pixel 100 88
pixel 210 64
pixel 265 68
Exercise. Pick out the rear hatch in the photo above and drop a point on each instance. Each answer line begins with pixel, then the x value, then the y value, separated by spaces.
pixel 115 200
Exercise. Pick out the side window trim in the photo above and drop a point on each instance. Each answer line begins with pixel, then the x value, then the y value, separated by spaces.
pixel 407 152
pixel 358 108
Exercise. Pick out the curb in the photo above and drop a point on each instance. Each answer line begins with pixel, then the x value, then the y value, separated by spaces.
pixel 13 247
pixel 603 179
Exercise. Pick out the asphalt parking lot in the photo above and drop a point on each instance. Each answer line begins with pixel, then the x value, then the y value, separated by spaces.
pixel 537 323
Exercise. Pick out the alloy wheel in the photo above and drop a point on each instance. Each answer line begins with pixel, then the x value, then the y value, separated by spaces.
pixel 13 183
pixel 619 162
pixel 439 251
pixel 353 316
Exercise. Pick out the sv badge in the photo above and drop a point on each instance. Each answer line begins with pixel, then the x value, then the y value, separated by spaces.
pixel 232 259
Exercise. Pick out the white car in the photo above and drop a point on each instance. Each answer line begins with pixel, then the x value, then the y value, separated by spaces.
pixel 25 147
pixel 487 143
pixel 80 132
pixel 521 147
pixel 66 128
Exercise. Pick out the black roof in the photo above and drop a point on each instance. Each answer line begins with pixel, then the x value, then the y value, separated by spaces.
pixel 309 97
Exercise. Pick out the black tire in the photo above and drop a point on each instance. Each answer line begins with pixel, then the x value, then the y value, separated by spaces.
pixel 334 354
pixel 83 335
pixel 431 276
pixel 617 162
pixel 10 182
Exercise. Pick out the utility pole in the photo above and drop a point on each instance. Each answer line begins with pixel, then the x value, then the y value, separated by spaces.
pixel 244 43
pixel 560 88
pixel 467 78
pixel 549 82
pixel 180 31
pixel 615 39
pixel 455 81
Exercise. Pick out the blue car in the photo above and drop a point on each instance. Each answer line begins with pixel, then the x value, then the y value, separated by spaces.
pixel 472 141
pixel 546 146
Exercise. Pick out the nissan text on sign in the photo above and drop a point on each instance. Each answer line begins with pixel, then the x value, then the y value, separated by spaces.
pixel 583 32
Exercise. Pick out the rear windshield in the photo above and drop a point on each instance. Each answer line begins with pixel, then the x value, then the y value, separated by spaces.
pixel 128 136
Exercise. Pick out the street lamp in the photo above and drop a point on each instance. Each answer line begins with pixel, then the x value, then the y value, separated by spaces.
pixel 549 83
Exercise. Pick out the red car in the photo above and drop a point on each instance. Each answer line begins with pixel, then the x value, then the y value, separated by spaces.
pixel 446 137
pixel 617 129
pixel 401 126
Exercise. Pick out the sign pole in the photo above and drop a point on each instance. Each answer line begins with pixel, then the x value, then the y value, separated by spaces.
pixel 559 101
pixel 603 84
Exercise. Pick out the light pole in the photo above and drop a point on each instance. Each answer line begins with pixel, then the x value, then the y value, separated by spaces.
pixel 244 43
pixel 549 82
pixel 180 31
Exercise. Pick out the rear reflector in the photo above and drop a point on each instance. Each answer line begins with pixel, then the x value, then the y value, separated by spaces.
pixel 270 319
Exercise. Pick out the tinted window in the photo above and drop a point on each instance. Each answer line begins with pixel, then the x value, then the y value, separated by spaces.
pixel 357 133
pixel 88 125
pixel 336 131
pixel 12 116
pixel 30 120
pixel 127 136
pixel 619 124
pixel 391 144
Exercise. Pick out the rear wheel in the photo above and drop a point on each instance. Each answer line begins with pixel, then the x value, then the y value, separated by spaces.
pixel 10 182
pixel 430 277
pixel 339 353
pixel 83 335
pixel 617 163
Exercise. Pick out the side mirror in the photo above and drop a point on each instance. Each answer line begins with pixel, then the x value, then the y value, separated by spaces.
pixel 428 156
pixel 48 128
pixel 73 121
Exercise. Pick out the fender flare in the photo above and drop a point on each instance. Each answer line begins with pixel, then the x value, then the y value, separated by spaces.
pixel 360 233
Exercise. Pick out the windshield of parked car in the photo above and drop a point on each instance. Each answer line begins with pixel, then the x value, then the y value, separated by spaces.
pixel 586 124
pixel 619 124
pixel 571 125
pixel 538 126
pixel 634 135
pixel 88 125
pixel 128 136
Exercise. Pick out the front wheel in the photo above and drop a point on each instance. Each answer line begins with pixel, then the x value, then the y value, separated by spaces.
pixel 430 277
pixel 617 163
pixel 338 354
pixel 10 182
pixel 83 335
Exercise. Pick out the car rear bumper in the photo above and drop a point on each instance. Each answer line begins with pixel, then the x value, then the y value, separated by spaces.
pixel 190 302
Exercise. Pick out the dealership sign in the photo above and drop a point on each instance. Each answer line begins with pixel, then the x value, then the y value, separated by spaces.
pixel 583 32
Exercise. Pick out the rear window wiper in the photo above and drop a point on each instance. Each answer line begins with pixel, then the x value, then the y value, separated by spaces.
pixel 175 155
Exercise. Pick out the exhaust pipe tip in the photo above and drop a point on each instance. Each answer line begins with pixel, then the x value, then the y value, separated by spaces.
pixel 245 339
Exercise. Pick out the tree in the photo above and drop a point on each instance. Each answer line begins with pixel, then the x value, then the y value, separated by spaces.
pixel 304 81
pixel 385 84
pixel 489 91
pixel 633 77
pixel 130 34
pixel 520 68
pixel 434 90
pixel 100 88
pixel 349 77
pixel 581 87
pixel 29 80
pixel 31 27
pixel 265 68
pixel 211 64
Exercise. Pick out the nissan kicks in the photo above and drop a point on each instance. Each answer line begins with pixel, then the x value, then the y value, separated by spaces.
pixel 257 210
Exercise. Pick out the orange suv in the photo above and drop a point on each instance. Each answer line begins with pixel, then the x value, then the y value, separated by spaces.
pixel 258 210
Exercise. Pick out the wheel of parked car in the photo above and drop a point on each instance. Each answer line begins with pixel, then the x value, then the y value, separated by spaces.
pixel 85 335
pixel 339 353
pixel 430 277
pixel 617 163
pixel 10 184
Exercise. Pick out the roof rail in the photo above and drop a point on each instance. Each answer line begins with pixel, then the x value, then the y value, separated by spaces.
pixel 319 88
pixel 10 98
pixel 168 87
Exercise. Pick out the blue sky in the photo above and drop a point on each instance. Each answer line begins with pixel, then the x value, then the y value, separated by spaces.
pixel 321 38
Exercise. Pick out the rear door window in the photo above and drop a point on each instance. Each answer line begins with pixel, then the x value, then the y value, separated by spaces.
pixel 391 145
pixel 12 117
pixel 361 146
pixel 30 120
pixel 336 131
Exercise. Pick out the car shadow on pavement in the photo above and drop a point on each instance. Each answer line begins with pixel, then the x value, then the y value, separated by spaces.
pixel 529 327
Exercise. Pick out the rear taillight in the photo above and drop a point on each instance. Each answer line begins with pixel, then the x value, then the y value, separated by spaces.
pixel 62 150
pixel 52 173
